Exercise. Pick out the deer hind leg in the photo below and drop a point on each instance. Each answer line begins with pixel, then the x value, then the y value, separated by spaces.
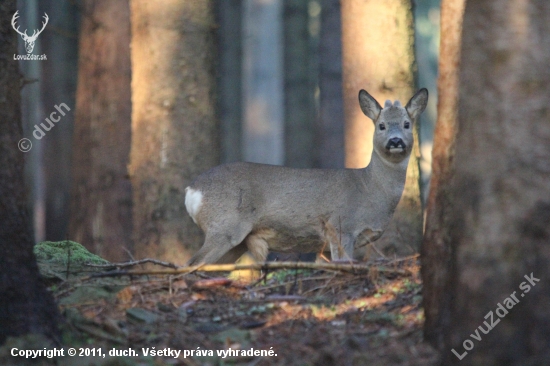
pixel 257 244
pixel 218 243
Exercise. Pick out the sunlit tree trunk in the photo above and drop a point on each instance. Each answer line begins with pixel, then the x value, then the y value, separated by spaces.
pixel 101 211
pixel 174 126
pixel 436 246
pixel 378 56
pixel 25 305
pixel 499 277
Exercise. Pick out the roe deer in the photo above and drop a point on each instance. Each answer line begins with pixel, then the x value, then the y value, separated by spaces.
pixel 261 207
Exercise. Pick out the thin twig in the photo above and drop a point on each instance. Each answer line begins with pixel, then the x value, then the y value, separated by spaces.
pixel 129 253
pixel 322 256
pixel 414 256
pixel 262 278
pixel 378 251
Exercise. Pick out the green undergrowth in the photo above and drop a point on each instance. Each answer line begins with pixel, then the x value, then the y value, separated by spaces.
pixel 61 260
pixel 61 252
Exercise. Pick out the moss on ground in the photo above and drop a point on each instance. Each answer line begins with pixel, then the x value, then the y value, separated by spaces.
pixel 60 252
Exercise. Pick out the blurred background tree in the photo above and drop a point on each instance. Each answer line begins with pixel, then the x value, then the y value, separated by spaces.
pixel 58 84
pixel 329 127
pixel 174 124
pixel 101 199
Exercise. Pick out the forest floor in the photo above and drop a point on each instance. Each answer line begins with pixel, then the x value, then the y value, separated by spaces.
pixel 295 316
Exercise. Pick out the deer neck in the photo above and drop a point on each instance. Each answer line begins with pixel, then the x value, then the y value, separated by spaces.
pixel 387 176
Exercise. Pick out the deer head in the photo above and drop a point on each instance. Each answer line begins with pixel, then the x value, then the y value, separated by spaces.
pixel 29 40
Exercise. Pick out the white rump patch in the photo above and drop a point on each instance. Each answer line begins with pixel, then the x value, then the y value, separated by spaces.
pixel 193 202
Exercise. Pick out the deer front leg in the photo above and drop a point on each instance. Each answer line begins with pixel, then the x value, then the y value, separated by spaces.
pixel 342 249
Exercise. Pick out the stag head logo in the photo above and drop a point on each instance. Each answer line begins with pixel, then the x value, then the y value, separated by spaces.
pixel 29 40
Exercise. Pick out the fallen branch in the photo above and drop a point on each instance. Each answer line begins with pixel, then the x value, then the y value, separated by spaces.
pixel 134 263
pixel 342 267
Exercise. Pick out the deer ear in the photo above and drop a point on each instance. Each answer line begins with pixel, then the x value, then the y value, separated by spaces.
pixel 369 105
pixel 418 103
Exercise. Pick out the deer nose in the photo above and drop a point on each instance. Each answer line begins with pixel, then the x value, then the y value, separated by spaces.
pixel 394 143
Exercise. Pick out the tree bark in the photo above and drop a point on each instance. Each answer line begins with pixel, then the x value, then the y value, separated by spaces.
pixel 59 42
pixel 25 305
pixel 329 138
pixel 500 196
pixel 263 104
pixel 174 126
pixel 378 55
pixel 299 102
pixel 435 252
pixel 101 214
pixel 32 114
pixel 230 101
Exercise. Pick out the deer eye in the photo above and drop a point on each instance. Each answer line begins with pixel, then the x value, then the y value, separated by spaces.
pixel 382 127
pixel 407 124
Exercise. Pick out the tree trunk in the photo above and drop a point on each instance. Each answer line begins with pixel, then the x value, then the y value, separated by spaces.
pixel 25 305
pixel 230 101
pixel 101 193
pixel 59 42
pixel 499 223
pixel 32 113
pixel 329 138
pixel 263 82
pixel 378 55
pixel 174 127
pixel 299 102
pixel 435 251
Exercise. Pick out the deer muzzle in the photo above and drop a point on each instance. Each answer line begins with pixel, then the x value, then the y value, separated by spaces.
pixel 396 145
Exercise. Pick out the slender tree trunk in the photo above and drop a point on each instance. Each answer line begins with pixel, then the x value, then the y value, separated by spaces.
pixel 32 114
pixel 499 277
pixel 329 139
pixel 25 305
pixel 300 73
pixel 378 55
pixel 174 126
pixel 436 246
pixel 299 102
pixel 59 42
pixel 230 50
pixel 263 103
pixel 101 193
